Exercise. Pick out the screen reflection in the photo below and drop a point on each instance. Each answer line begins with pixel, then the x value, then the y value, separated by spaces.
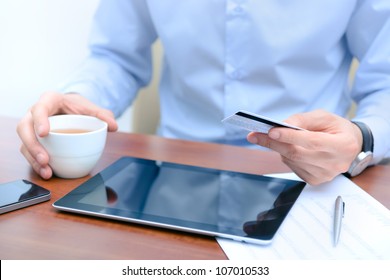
pixel 187 196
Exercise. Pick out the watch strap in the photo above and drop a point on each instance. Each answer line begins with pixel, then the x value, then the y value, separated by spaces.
pixel 367 148
pixel 368 139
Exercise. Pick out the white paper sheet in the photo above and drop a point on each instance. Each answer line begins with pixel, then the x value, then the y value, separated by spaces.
pixel 307 232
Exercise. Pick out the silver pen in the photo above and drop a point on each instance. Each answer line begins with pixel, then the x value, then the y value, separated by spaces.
pixel 338 217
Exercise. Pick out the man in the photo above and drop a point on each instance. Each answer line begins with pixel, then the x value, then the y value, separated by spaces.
pixel 283 60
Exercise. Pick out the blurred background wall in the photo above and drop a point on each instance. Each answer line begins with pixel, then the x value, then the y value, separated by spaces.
pixel 41 42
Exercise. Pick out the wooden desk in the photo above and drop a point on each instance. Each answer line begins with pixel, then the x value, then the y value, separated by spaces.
pixel 41 232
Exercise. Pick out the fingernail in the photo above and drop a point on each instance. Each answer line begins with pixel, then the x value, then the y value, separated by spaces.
pixel 44 172
pixel 274 134
pixel 39 130
pixel 41 158
pixel 252 139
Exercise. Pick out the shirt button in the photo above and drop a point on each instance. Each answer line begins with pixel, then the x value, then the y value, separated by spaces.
pixel 238 10
pixel 236 75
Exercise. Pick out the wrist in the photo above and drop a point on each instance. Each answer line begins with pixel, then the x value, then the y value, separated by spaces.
pixel 359 138
pixel 365 155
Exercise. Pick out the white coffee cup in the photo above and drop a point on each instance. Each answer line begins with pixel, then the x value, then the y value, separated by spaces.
pixel 75 144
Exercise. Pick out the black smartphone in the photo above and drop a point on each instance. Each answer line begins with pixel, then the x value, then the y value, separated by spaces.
pixel 21 193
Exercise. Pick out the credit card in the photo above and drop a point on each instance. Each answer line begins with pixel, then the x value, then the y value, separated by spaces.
pixel 255 122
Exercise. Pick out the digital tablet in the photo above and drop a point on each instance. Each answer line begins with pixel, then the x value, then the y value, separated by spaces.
pixel 199 200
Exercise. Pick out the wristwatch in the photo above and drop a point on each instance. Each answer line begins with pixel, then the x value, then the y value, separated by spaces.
pixel 364 158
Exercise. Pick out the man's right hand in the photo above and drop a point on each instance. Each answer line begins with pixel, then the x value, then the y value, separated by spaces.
pixel 36 122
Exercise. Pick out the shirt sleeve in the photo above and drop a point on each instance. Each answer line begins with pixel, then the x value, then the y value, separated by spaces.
pixel 119 63
pixel 368 37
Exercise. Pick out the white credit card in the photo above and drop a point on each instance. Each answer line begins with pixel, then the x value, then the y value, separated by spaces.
pixel 254 122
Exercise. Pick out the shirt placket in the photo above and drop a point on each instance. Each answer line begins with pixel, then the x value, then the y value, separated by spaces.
pixel 236 22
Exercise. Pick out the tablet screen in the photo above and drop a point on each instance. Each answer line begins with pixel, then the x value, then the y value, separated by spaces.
pixel 207 201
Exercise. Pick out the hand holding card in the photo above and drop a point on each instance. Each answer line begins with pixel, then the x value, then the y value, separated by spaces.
pixel 254 122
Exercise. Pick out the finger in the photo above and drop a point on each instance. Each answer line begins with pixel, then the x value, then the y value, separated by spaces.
pixel 108 117
pixel 317 141
pixel 48 105
pixel 103 114
pixel 40 122
pixel 312 174
pixel 77 104
pixel 256 138
pixel 43 170
pixel 302 173
pixel 263 140
pixel 311 120
pixel 297 156
pixel 289 150
pixel 32 147
pixel 294 153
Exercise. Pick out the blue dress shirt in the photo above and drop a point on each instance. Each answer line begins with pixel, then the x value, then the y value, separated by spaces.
pixel 271 57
